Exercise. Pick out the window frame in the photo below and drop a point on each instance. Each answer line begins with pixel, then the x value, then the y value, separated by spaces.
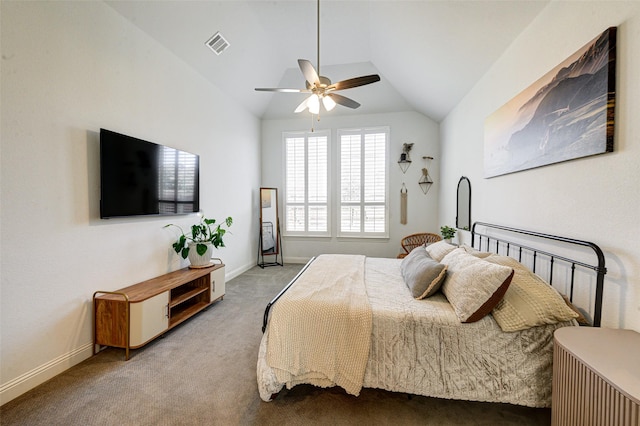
pixel 306 203
pixel 362 203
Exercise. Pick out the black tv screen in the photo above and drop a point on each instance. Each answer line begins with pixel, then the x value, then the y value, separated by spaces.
pixel 143 178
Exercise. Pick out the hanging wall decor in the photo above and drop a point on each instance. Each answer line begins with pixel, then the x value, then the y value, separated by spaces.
pixel 405 159
pixel 566 114
pixel 403 204
pixel 425 180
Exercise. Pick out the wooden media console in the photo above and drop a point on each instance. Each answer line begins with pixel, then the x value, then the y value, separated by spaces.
pixel 133 316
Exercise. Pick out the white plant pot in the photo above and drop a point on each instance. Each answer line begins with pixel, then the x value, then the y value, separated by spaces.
pixel 199 261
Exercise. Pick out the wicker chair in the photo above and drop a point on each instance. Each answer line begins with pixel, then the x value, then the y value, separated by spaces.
pixel 414 240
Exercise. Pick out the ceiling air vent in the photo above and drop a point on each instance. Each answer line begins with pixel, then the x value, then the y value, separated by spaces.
pixel 217 43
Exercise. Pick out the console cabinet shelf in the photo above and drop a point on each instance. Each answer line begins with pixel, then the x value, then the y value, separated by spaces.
pixel 133 316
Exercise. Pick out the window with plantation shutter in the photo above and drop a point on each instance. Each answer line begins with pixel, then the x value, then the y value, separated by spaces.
pixel 363 180
pixel 306 192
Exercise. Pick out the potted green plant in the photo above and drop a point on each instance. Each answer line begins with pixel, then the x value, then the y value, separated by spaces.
pixel 197 245
pixel 447 233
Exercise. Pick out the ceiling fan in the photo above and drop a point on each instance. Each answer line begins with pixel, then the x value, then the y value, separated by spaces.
pixel 320 87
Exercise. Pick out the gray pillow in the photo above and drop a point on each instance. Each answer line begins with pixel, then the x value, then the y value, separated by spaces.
pixel 421 273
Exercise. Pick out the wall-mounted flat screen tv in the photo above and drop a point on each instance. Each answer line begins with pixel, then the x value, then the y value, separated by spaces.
pixel 140 178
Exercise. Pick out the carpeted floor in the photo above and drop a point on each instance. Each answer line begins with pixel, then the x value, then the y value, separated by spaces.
pixel 204 373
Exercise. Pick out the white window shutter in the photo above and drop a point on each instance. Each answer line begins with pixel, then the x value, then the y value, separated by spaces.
pixel 363 208
pixel 307 184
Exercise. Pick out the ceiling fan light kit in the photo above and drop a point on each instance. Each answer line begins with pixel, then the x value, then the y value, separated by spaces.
pixel 321 87
pixel 328 103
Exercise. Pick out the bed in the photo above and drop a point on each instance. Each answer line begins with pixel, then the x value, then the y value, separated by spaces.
pixel 483 333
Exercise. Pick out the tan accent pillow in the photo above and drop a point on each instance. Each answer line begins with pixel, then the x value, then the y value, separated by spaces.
pixel 439 250
pixel 421 273
pixel 529 301
pixel 473 286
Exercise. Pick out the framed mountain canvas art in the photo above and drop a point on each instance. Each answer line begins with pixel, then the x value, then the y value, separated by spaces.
pixel 566 114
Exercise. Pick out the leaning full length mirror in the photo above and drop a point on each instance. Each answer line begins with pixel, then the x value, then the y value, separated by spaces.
pixel 463 213
pixel 269 229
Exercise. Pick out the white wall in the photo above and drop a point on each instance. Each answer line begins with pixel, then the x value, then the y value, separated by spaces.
pixel 596 198
pixel 422 209
pixel 69 68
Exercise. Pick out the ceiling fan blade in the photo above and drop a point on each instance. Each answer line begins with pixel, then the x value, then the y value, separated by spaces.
pixel 267 89
pixel 354 82
pixel 309 72
pixel 302 106
pixel 343 100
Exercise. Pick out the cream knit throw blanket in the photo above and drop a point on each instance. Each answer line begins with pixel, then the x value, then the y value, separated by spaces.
pixel 320 329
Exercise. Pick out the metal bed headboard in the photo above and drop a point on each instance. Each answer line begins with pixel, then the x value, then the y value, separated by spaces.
pixel 599 269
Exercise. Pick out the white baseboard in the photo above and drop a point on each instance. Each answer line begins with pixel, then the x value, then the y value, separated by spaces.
pixel 302 260
pixel 232 274
pixel 39 375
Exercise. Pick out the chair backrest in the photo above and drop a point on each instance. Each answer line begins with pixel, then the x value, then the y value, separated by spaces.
pixel 414 240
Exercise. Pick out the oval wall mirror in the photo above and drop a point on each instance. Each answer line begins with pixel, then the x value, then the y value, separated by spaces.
pixel 463 210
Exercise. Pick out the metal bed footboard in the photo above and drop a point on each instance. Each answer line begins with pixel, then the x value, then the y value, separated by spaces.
pixel 266 311
pixel 495 242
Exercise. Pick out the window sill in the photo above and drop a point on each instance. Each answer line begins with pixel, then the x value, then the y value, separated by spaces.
pixel 369 239
pixel 306 237
pixel 354 239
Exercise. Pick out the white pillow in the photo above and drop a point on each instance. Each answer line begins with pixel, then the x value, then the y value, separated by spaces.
pixel 475 252
pixel 439 250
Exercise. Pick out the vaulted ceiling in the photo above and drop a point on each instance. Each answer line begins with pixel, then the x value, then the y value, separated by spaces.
pixel 429 54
